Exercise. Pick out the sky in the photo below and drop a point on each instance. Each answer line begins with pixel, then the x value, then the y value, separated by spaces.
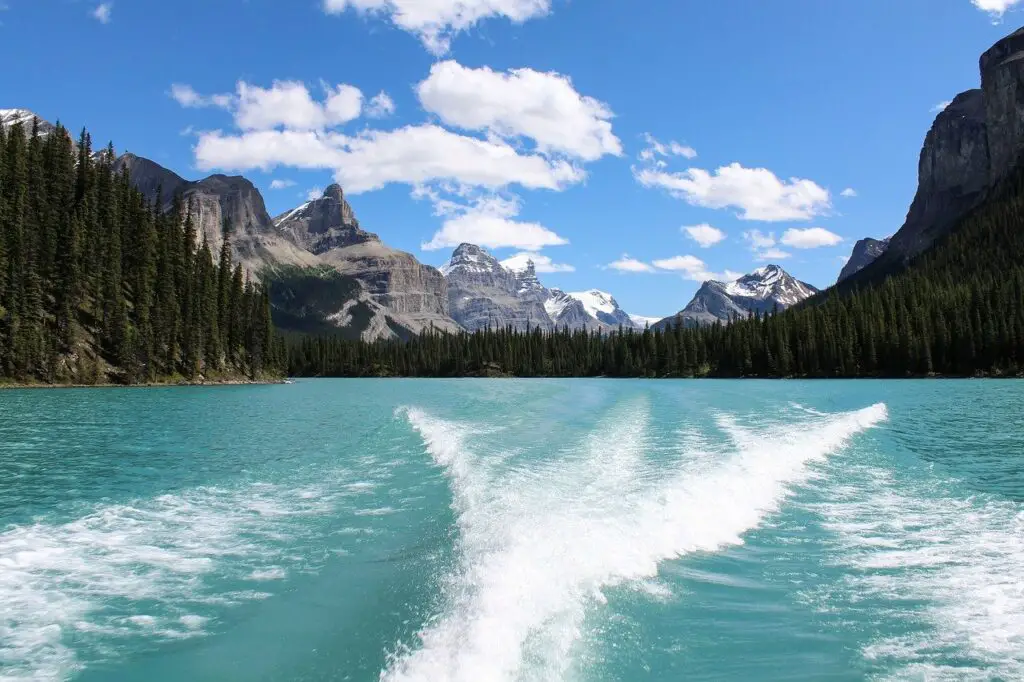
pixel 634 146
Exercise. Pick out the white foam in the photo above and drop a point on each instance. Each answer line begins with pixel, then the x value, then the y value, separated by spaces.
pixel 539 545
pixel 66 589
pixel 962 557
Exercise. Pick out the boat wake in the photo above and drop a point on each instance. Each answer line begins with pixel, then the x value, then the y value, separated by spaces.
pixel 539 545
pixel 948 569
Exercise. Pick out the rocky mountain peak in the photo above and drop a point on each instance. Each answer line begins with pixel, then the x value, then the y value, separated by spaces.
pixel 324 224
pixel 865 252
pixel 470 258
pixel 11 117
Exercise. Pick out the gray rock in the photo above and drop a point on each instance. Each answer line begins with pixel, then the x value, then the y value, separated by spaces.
pixel 324 224
pixel 759 292
pixel 483 294
pixel 973 144
pixel 865 252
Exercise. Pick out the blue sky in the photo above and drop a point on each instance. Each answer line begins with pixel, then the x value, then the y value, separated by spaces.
pixel 591 133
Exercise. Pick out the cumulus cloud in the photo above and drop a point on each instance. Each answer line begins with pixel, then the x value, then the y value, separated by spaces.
pixel 287 104
pixel 103 12
pixel 694 269
pixel 282 184
pixel 380 105
pixel 629 264
pixel 290 104
pixel 541 263
pixel 372 160
pixel 541 106
pixel 490 221
pixel 996 8
pixel 436 22
pixel 655 149
pixel 704 234
pixel 764 245
pixel 849 193
pixel 314 193
pixel 186 96
pixel 756 192
pixel 810 238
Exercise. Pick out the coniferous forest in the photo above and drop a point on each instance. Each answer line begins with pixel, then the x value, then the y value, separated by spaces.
pixel 97 285
pixel 956 310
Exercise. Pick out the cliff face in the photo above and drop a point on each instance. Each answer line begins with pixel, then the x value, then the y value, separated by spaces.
pixel 865 252
pixel 973 144
pixel 482 293
pixel 324 224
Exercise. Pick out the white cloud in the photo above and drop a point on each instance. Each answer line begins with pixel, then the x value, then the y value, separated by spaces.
pixel 186 96
pixel 810 238
pixel 764 245
pixel 759 240
pixel 411 155
pixel 655 149
pixel 102 12
pixel 314 193
pixel 436 22
pixel 772 254
pixel 756 192
pixel 941 106
pixel 282 184
pixel 704 234
pixel 544 107
pixel 995 7
pixel 489 222
pixel 289 104
pixel 629 264
pixel 849 193
pixel 694 269
pixel 380 105
pixel 541 263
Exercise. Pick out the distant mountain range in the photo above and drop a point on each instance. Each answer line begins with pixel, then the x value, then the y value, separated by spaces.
pixel 483 293
pixel 329 275
pixel 762 291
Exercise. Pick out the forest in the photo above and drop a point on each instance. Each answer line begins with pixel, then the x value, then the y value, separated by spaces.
pixel 98 285
pixel 956 310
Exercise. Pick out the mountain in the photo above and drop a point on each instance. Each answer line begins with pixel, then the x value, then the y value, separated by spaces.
pixel 482 293
pixel 760 291
pixel 10 117
pixel 973 145
pixel 587 310
pixel 865 252
pixel 409 294
pixel 327 274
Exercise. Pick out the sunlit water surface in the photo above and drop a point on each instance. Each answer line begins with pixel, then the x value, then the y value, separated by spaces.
pixel 514 530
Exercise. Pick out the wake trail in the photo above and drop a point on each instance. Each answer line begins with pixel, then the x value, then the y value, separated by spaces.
pixel 951 567
pixel 539 546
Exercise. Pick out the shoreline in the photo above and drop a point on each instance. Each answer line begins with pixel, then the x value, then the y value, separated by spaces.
pixel 151 384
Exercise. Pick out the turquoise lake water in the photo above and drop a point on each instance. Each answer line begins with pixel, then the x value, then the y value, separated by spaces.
pixel 479 531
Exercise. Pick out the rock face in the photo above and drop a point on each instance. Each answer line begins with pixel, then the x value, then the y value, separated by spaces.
pixel 329 269
pixel 11 117
pixel 760 291
pixel 486 293
pixel 593 309
pixel 973 144
pixel 482 293
pixel 324 224
pixel 865 252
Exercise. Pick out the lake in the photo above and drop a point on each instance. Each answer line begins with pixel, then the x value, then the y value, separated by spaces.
pixel 487 530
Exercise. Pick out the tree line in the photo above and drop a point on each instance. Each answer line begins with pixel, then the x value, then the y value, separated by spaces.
pixel 956 310
pixel 97 284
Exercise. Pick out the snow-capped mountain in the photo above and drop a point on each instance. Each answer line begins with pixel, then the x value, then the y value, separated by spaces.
pixel 484 292
pixel 760 291
pixel 591 309
pixel 10 117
